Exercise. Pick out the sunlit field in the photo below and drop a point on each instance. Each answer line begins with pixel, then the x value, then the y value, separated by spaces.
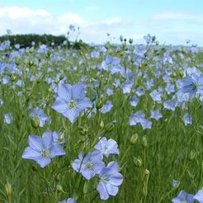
pixel 110 123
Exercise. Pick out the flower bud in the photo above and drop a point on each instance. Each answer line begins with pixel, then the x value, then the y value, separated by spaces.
pixel 50 90
pixel 35 123
pixel 13 77
pixel 102 124
pixel 58 177
pixel 121 38
pixel 109 127
pixel 17 62
pixel 48 54
pixel 134 138
pixel 83 130
pixel 59 188
pixel 100 104
pixel 86 188
pixel 144 141
pixel 137 161
pixel 31 63
pixel 192 155
pixel 146 173
pixel 175 183
pixel 153 38
pixel 130 40
pixel 8 189
pixel 145 183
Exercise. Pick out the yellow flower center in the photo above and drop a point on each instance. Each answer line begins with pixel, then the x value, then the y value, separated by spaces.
pixel 88 165
pixel 72 104
pixel 45 153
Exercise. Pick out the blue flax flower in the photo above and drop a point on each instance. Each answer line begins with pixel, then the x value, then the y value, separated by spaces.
pixel 187 119
pixel 110 179
pixel 136 118
pixel 134 101
pixel 8 118
pixel 69 200
pixel 127 86
pixel 156 96
pixel 199 196
pixel 71 100
pixel 106 107
pixel 42 149
pixel 107 147
pixel 1 102
pixel 90 165
pixel 139 117
pixel 59 138
pixel 39 114
pixel 191 85
pixel 170 104
pixel 183 197
pixel 175 183
pixel 156 114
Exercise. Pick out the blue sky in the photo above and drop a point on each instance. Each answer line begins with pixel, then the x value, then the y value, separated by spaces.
pixel 171 21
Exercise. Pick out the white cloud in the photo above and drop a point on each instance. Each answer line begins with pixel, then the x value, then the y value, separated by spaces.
pixel 16 13
pixel 42 13
pixel 174 15
pixel 26 20
pixel 71 17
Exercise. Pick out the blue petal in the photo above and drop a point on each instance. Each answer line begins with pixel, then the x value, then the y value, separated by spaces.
pixel 88 173
pixel 57 150
pixel 98 166
pixel 36 143
pixel 78 91
pixel 116 179
pixel 43 161
pixel 112 147
pixel 60 105
pixel 64 92
pixel 30 153
pixel 95 156
pixel 84 103
pixel 71 114
pixel 101 144
pixel 71 200
pixel 112 190
pixel 199 196
pixel 76 165
pixel 113 166
pixel 47 139
pixel 102 191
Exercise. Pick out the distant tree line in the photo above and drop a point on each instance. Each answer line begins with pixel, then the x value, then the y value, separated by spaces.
pixel 27 40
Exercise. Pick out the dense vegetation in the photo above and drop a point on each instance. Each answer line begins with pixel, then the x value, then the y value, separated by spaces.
pixel 28 40
pixel 116 123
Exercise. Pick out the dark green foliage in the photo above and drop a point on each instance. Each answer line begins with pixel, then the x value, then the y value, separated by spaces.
pixel 26 40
